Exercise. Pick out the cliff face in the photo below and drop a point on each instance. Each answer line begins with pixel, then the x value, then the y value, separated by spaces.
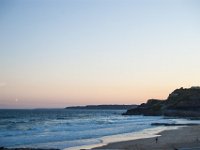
pixel 181 102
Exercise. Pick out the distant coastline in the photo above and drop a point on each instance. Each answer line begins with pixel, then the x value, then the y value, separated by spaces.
pixel 103 107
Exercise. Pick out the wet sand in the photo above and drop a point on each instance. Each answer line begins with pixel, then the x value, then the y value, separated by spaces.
pixel 181 139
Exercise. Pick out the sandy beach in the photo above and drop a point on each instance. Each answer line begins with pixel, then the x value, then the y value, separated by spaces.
pixel 184 138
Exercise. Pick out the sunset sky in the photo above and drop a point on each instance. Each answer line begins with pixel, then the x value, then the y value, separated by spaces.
pixel 57 53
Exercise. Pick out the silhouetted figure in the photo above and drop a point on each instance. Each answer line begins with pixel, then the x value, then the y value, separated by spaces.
pixel 156 139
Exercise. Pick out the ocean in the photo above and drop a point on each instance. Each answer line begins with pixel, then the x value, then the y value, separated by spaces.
pixel 65 128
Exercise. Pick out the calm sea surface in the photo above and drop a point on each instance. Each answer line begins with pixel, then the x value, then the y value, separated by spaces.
pixel 62 128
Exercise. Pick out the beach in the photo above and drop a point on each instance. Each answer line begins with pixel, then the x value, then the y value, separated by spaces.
pixel 87 129
pixel 63 128
pixel 183 138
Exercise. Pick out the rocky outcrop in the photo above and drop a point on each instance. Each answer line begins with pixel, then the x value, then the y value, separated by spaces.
pixel 180 103
pixel 174 124
pixel 4 148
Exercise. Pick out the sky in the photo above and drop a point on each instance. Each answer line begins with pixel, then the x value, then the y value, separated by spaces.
pixel 58 53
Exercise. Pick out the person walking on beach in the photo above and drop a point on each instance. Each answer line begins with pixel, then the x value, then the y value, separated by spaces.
pixel 156 139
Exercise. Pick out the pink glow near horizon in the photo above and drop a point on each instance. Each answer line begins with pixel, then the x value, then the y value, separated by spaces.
pixel 63 53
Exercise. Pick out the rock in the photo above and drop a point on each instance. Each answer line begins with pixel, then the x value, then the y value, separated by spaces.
pixel 3 148
pixel 174 124
pixel 180 103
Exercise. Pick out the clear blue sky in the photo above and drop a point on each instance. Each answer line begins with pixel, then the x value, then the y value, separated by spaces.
pixel 55 53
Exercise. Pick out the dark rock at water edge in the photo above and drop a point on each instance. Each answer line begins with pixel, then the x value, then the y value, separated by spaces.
pixel 181 102
pixel 4 148
pixel 174 124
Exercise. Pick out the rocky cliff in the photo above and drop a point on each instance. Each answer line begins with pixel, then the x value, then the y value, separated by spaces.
pixel 181 102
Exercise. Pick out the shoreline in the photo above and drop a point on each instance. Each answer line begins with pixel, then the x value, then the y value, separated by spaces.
pixel 179 139
pixel 152 132
pixel 169 138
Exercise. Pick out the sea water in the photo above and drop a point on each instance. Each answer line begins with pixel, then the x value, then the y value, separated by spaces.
pixel 65 128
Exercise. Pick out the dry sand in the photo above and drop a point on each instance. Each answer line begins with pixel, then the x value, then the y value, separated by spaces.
pixel 181 139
